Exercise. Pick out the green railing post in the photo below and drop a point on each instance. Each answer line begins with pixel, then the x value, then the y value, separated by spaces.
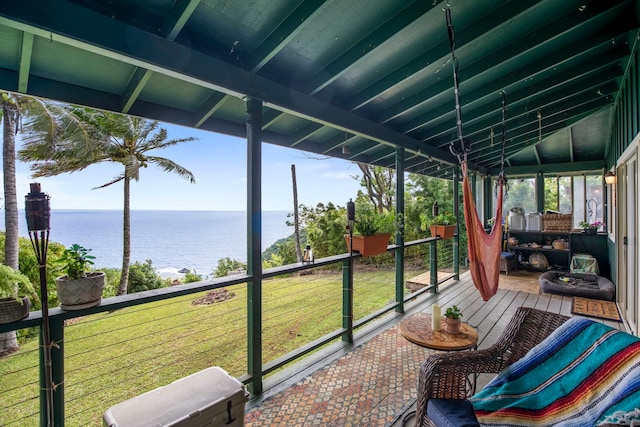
pixel 56 329
pixel 44 419
pixel 254 238
pixel 433 266
pixel 57 364
pixel 399 253
pixel 456 208
pixel 347 299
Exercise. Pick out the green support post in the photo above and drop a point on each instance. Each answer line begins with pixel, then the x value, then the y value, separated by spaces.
pixel 254 238
pixel 347 299
pixel 57 363
pixel 488 198
pixel 400 230
pixel 44 420
pixel 56 330
pixel 540 192
pixel 433 266
pixel 456 208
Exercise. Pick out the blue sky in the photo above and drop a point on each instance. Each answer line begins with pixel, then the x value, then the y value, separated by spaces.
pixel 218 163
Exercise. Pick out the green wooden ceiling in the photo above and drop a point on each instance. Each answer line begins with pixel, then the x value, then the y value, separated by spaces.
pixel 369 75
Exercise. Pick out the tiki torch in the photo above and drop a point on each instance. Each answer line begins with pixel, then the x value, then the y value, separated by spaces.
pixel 38 215
pixel 351 219
pixel 347 322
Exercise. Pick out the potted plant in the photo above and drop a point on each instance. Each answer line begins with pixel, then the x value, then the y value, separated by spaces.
pixel 452 319
pixel 591 228
pixel 79 288
pixel 372 231
pixel 15 292
pixel 442 225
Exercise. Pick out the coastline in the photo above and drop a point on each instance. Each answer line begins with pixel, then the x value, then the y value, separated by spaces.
pixel 171 239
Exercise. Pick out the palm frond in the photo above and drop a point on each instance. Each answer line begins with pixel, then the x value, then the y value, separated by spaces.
pixel 113 181
pixel 168 165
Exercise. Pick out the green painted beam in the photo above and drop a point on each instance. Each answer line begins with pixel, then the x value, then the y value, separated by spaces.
pixel 596 79
pixel 358 51
pixel 99 34
pixel 569 168
pixel 285 32
pixel 26 50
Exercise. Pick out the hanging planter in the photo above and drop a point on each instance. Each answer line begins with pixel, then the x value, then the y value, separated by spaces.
pixel 15 289
pixel 443 231
pixel 369 245
pixel 12 310
pixel 441 224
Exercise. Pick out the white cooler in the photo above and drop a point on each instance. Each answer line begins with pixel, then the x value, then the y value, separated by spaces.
pixel 207 398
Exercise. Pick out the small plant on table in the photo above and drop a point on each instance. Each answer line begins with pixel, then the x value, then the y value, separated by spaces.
pixel 452 319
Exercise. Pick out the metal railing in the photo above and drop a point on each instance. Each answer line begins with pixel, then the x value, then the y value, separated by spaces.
pixel 134 343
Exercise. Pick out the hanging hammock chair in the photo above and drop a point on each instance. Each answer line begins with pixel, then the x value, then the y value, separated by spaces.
pixel 483 249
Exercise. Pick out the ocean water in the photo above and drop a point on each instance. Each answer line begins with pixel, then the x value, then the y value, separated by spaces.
pixel 172 240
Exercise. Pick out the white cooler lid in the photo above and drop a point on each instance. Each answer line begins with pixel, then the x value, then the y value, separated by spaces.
pixel 209 389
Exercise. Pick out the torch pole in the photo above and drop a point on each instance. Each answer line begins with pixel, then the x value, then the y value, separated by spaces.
pixel 38 215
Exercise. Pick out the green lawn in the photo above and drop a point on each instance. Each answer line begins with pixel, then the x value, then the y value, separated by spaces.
pixel 111 357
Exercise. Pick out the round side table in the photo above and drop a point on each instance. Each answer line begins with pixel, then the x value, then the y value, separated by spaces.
pixel 417 329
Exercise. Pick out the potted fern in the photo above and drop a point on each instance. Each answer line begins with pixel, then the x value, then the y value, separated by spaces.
pixel 79 288
pixel 15 293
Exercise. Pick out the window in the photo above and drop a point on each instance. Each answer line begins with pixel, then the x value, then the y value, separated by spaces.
pixel 580 195
pixel 522 194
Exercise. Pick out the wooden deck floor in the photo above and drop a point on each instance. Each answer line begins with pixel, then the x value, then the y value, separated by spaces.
pixel 489 317
pixel 517 289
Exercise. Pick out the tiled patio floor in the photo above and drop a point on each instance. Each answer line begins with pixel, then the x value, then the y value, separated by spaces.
pixel 370 386
pixel 375 383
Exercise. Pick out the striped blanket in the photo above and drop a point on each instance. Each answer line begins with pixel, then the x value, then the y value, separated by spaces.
pixel 584 374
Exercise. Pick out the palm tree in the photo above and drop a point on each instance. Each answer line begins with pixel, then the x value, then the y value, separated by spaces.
pixel 88 137
pixel 12 108
pixel 10 113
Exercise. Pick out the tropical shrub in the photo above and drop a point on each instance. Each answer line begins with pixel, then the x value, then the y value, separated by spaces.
pixel 225 265
pixel 192 277
pixel 111 281
pixel 142 277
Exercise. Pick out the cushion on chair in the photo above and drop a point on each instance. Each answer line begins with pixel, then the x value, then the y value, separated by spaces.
pixel 451 413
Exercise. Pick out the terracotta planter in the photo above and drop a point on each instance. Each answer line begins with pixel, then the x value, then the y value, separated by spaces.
pixel 369 245
pixel 444 231
pixel 451 326
pixel 76 294
pixel 12 310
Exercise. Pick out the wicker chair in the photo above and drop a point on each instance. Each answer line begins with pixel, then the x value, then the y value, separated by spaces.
pixel 445 375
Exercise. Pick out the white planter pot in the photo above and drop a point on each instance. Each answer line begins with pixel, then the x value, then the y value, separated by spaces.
pixel 76 294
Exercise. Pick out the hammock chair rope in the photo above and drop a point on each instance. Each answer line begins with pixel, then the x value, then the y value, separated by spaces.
pixel 501 181
pixel 464 145
pixel 484 249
